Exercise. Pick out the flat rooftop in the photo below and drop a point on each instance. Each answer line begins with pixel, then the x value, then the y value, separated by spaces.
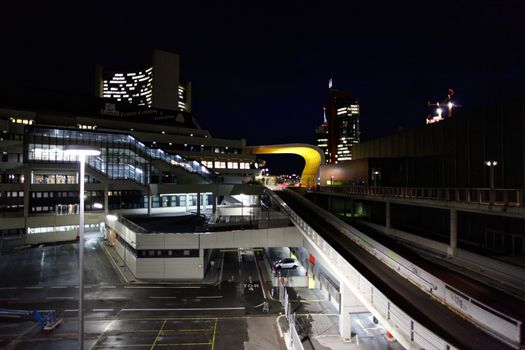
pixel 168 223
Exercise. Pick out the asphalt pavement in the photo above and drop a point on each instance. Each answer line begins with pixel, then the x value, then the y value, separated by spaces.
pixel 120 315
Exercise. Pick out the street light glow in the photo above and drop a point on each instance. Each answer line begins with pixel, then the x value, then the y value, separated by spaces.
pixel 81 150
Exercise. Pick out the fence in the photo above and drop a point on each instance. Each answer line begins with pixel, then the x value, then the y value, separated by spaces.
pixel 292 339
pixel 484 196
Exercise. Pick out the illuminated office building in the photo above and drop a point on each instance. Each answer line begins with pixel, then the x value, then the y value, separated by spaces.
pixel 157 85
pixel 341 124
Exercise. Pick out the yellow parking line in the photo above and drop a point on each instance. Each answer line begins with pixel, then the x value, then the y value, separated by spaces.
pixel 316 314
pixel 214 332
pixel 103 333
pixel 183 344
pixel 181 318
pixel 119 346
pixel 157 337
pixel 156 330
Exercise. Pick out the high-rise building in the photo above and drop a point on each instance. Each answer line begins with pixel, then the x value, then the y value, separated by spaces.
pixel 341 124
pixel 157 85
pixel 321 135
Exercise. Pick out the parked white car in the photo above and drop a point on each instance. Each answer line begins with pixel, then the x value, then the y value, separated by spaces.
pixel 286 263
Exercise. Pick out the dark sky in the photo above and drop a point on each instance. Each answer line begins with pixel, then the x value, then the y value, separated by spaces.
pixel 260 69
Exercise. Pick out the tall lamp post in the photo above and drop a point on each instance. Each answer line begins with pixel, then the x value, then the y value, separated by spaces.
pixel 82 152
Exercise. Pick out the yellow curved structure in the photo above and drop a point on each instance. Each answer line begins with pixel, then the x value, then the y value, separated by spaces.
pixel 313 158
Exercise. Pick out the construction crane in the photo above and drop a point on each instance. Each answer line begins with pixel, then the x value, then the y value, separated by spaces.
pixel 440 106
pixel 47 319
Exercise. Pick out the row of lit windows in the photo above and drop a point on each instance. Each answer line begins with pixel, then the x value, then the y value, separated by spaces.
pixel 225 165
pixel 22 121
pixel 13 194
pixel 54 179
pixel 86 127
pixel 12 178
pixel 34 230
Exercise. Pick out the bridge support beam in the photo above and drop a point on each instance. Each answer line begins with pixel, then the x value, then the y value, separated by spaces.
pixel 198 203
pixel 149 204
pixel 349 304
pixel 213 202
pixel 453 247
pixel 387 218
pixel 106 199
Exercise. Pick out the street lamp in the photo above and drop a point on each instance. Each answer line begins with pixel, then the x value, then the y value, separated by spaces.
pixel 82 152
pixel 331 181
pixel 491 164
pixel 375 175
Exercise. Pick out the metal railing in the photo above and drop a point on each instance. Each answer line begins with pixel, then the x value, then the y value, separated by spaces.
pixel 484 196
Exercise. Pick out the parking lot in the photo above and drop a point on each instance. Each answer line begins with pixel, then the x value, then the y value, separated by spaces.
pixel 191 333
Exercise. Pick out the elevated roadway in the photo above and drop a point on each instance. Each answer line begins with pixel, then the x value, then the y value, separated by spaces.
pixel 429 322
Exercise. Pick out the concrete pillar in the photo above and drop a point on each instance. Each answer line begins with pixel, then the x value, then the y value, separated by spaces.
pixel 452 249
pixel 27 188
pixel 106 199
pixel 348 304
pixel 387 218
pixel 149 204
pixel 213 202
pixel 198 203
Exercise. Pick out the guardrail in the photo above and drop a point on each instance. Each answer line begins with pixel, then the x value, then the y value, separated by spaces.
pixel 484 196
pixel 495 322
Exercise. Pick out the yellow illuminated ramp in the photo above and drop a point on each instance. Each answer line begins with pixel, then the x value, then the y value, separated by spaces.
pixel 313 157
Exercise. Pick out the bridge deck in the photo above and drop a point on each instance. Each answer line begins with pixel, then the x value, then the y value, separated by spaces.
pixel 419 305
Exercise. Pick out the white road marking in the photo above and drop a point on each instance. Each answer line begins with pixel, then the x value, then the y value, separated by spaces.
pixel 60 298
pixel 106 287
pixel 163 297
pixel 102 310
pixel 71 310
pixel 209 297
pixel 260 278
pixel 162 287
pixel 34 287
pixel 58 287
pixel 362 327
pixel 189 309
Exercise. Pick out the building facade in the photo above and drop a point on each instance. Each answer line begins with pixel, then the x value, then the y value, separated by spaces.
pixel 321 135
pixel 342 125
pixel 157 85
pixel 167 166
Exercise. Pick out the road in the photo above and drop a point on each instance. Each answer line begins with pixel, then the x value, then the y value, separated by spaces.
pixel 118 315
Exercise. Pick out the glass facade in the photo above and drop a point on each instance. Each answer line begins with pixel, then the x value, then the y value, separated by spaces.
pixel 122 156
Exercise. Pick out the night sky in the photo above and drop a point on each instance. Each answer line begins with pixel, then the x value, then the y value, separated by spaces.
pixel 260 70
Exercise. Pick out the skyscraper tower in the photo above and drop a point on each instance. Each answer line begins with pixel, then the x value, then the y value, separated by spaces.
pixel 157 85
pixel 342 120
pixel 321 135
